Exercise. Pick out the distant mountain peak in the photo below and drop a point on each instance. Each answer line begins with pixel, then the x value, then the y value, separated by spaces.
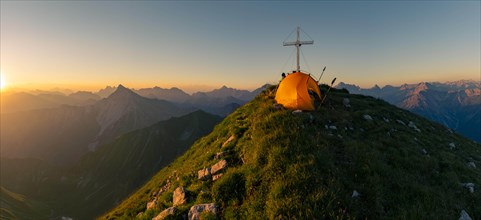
pixel 122 91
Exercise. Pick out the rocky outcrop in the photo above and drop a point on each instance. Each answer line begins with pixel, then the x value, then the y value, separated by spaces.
pixel 180 196
pixel 204 174
pixel 464 216
pixel 218 166
pixel 231 138
pixel 452 146
pixel 413 126
pixel 355 194
pixel 164 214
pixel 469 186
pixel 152 204
pixel 216 177
pixel 196 210
pixel 367 117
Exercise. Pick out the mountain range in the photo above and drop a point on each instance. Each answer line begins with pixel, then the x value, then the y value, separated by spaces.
pixel 102 178
pixel 456 105
pixel 92 150
pixel 366 159
pixel 220 101
pixel 60 135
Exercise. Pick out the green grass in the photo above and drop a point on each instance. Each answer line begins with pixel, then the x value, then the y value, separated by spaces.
pixel 16 206
pixel 285 166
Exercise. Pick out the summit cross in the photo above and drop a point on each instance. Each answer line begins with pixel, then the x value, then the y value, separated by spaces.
pixel 298 44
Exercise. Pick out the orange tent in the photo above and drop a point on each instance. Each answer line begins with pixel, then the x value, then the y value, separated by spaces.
pixel 293 91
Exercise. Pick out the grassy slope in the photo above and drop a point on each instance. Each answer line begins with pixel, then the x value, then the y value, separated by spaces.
pixel 103 178
pixel 290 166
pixel 16 206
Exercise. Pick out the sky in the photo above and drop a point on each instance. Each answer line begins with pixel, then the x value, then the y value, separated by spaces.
pixel 200 45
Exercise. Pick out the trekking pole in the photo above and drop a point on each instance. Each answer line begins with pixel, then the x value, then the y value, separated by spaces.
pixel 321 74
pixel 324 98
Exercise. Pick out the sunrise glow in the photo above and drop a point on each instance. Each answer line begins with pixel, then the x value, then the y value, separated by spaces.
pixel 3 82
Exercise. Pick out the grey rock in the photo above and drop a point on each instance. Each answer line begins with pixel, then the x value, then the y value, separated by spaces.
pixel 180 196
pixel 277 106
pixel 218 166
pixel 367 117
pixel 152 204
pixel 385 120
pixel 196 210
pixel 164 214
pixel 401 122
pixel 471 165
pixel 355 194
pixel 297 112
pixel 452 146
pixel 464 216
pixel 469 186
pixel 413 126
pixel 333 127
pixel 217 176
pixel 424 151
pixel 231 138
pixel 204 174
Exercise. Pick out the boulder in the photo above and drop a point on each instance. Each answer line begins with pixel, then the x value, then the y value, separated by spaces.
pixel 413 126
pixel 333 127
pixel 385 120
pixel 464 216
pixel 164 214
pixel 180 196
pixel 152 204
pixel 277 106
pixel 215 177
pixel 228 140
pixel 452 146
pixel 204 174
pixel 218 166
pixel 355 194
pixel 367 117
pixel 401 122
pixel 297 112
pixel 471 165
pixel 425 152
pixel 196 210
pixel 469 186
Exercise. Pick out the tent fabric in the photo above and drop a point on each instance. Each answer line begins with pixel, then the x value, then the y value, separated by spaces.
pixel 293 91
